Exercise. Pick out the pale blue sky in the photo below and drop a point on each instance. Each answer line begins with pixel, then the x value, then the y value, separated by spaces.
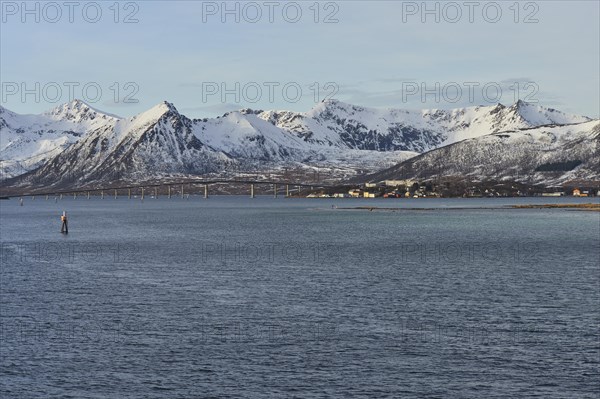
pixel 371 54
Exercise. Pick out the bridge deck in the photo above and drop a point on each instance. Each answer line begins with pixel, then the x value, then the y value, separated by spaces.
pixel 174 183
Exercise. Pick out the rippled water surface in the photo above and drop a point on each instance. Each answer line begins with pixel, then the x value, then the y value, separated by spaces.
pixel 233 297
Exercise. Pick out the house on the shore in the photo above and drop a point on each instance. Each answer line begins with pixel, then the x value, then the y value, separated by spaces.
pixel 579 193
pixel 356 193
pixel 398 183
pixel 553 194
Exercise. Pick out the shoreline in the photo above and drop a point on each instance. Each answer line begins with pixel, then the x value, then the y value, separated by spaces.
pixel 580 207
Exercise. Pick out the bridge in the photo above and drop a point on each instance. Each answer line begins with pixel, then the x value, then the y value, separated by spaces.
pixel 170 189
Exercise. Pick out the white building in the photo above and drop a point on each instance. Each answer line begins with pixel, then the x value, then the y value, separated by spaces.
pixel 396 183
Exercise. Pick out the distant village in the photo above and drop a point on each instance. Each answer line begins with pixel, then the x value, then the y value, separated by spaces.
pixel 447 189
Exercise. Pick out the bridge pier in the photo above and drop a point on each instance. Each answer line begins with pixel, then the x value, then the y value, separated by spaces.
pixel 206 191
pixel 251 190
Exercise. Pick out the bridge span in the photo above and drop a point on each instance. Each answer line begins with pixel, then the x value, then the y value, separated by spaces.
pixel 170 189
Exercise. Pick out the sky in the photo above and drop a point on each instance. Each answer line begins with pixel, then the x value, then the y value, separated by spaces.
pixel 208 57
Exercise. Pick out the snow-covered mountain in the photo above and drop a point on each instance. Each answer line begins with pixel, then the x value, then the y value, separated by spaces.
pixel 157 142
pixel 549 155
pixel 393 129
pixel 75 144
pixel 27 141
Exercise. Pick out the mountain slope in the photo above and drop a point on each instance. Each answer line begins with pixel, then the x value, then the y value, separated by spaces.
pixel 333 122
pixel 27 141
pixel 156 142
pixel 548 155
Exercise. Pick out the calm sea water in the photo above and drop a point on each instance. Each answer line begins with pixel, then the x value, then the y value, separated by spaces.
pixel 233 297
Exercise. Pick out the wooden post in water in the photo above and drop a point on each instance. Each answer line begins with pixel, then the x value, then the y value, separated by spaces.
pixel 115 193
pixel 287 190
pixel 169 191
pixel 155 192
pixel 101 194
pixel 206 191
pixel 46 197
pixel 88 195
pixel 129 193
pixel 74 195
pixel 142 193
pixel 182 191
pixel 275 190
pixel 60 196
pixel 251 190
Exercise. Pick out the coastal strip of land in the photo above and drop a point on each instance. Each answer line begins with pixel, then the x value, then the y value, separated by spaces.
pixel 584 207
pixel 580 207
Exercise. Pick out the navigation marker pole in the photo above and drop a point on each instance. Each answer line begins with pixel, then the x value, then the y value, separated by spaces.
pixel 64 228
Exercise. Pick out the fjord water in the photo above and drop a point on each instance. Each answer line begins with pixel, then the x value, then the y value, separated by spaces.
pixel 233 297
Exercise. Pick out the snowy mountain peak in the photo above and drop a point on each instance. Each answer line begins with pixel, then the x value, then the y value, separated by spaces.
pixel 77 111
pixel 250 111
pixel 536 115
pixel 156 112
pixel 163 107
pixel 167 105
pixel 333 102
pixel 332 106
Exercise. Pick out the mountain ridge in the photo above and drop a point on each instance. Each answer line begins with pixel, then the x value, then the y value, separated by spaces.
pixel 91 146
pixel 548 155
